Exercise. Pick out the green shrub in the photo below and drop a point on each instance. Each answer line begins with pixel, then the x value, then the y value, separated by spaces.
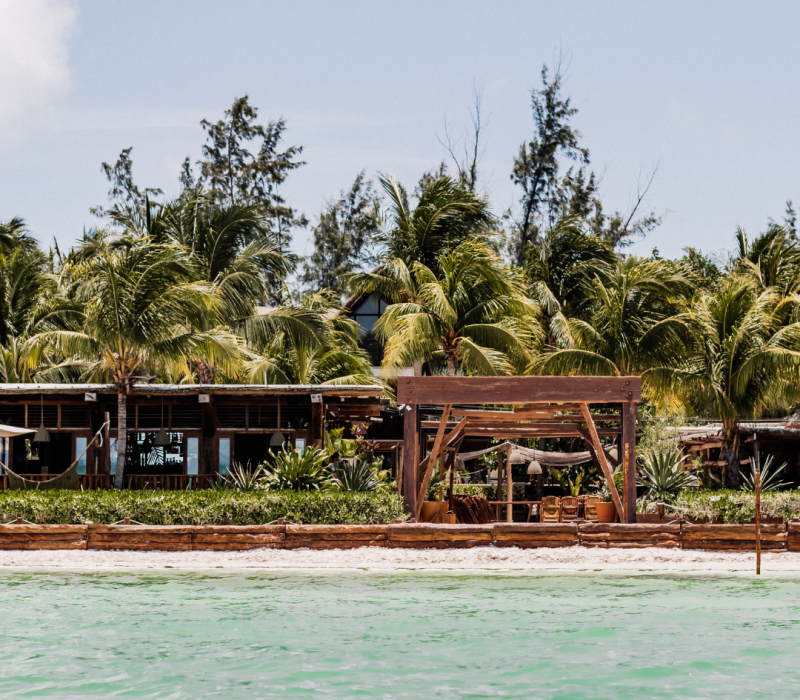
pixel 738 506
pixel 327 507
pixel 299 472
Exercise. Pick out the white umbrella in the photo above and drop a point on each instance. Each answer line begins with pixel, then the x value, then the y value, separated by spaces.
pixel 8 431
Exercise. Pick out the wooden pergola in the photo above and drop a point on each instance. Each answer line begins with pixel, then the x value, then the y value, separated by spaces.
pixel 544 407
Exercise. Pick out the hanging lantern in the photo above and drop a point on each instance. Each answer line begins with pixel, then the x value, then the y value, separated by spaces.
pixel 277 438
pixel 517 457
pixel 162 439
pixel 41 434
pixel 534 468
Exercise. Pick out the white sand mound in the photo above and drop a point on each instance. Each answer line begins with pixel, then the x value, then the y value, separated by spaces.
pixel 379 559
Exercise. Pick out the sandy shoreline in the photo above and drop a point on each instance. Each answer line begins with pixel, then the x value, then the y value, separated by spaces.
pixel 379 559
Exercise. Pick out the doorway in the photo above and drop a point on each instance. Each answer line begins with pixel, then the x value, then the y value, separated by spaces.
pixel 250 448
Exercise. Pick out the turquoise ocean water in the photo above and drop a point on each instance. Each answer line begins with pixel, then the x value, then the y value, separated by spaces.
pixel 287 635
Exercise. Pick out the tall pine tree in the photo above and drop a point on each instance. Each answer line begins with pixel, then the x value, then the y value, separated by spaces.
pixel 343 237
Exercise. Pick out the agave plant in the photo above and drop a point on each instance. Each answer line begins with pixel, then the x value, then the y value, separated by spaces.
pixel 242 478
pixel 663 475
pixel 358 475
pixel 769 478
pixel 299 472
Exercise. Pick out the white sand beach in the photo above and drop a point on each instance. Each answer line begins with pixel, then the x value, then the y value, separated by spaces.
pixel 378 559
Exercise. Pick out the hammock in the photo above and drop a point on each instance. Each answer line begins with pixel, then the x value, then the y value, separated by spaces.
pixel 548 459
pixel 68 479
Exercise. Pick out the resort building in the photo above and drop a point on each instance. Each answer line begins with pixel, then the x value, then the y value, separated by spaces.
pixel 179 435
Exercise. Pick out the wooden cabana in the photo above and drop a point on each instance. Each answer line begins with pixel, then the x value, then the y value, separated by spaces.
pixel 544 407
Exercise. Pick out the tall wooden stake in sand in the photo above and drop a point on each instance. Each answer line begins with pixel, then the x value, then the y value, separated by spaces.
pixel 758 509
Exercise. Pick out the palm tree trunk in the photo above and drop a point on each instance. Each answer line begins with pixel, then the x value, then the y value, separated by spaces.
pixel 418 368
pixel 730 453
pixel 451 367
pixel 122 441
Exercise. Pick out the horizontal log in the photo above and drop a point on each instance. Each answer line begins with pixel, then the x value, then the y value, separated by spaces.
pixel 437 544
pixel 666 544
pixel 629 536
pixel 570 528
pixel 234 546
pixel 122 529
pixel 223 537
pixel 439 528
pixel 533 544
pixel 43 529
pixel 238 529
pixel 324 537
pixel 625 527
pixel 539 537
pixel 708 533
pixel 140 537
pixel 517 390
pixel 451 537
pixel 335 529
pixel 743 545
pixel 142 546
pixel 333 544
pixel 41 536
pixel 44 544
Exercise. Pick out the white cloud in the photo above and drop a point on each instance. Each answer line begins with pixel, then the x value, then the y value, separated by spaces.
pixel 33 62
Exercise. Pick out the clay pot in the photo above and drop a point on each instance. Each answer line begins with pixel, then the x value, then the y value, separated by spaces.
pixel 431 511
pixel 606 512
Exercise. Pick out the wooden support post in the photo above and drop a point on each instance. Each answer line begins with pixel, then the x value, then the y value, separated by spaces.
pixel 442 509
pixel 758 515
pixel 317 429
pixel 398 468
pixel 509 488
pixel 601 455
pixel 410 450
pixel 629 449
pixel 499 495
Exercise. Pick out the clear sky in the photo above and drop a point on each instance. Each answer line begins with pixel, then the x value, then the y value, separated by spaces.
pixel 707 90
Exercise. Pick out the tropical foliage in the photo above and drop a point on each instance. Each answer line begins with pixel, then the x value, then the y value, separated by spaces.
pixel 664 476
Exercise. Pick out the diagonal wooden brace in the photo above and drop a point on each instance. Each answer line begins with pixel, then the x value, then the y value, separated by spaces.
pixel 430 461
pixel 601 457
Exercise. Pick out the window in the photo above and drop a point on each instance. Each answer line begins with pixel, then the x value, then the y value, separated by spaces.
pixel 192 455
pixel 80 447
pixel 300 445
pixel 113 456
pixel 224 455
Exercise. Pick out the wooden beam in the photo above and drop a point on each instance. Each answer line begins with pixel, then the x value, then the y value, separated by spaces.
pixel 457 432
pixel 509 488
pixel 517 390
pixel 629 442
pixel 432 457
pixel 410 449
pixel 601 456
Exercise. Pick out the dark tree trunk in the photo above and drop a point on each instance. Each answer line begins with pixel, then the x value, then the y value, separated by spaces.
pixel 122 437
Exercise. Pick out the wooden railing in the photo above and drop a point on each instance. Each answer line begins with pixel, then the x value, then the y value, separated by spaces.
pixel 155 482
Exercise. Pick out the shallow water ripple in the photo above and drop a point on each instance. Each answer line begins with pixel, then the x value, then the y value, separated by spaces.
pixel 269 635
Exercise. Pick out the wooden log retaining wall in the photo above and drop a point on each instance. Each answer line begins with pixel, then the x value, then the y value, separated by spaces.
pixel 415 536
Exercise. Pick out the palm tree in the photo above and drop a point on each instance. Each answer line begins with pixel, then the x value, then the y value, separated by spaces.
pixel 335 359
pixel 143 309
pixel 772 260
pixel 634 323
pixel 473 313
pixel 743 359
pixel 446 214
pixel 560 271
pixel 234 254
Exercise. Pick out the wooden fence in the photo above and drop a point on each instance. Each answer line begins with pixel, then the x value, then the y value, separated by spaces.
pixel 155 482
pixel 784 537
